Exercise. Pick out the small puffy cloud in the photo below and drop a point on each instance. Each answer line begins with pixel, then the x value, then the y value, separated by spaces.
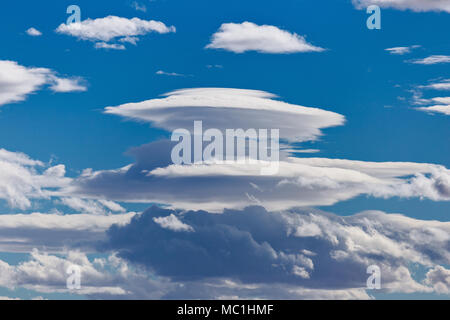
pixel 247 36
pixel 34 32
pixel 111 28
pixel 435 59
pixel 401 50
pixel 68 85
pixel 172 223
pixel 139 6
pixel 414 5
pixel 17 81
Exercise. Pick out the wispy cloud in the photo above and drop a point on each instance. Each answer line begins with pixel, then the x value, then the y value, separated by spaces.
pixel 435 59
pixel 113 28
pixel 401 50
pixel 414 5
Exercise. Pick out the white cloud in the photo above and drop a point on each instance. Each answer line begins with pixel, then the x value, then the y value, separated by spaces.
pixel 110 28
pixel 214 186
pixel 247 36
pixel 112 46
pixel 401 50
pixel 68 85
pixel 173 74
pixel 440 85
pixel 16 81
pixel 439 279
pixel 415 5
pixel 139 6
pixel 23 179
pixel 445 109
pixel 34 32
pixel 436 59
pixel 223 108
pixel 172 223
pixel 55 232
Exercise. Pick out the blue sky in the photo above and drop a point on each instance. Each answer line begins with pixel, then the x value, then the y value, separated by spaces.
pixel 377 92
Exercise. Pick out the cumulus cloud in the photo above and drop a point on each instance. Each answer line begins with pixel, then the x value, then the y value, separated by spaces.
pixel 414 5
pixel 435 59
pixel 247 36
pixel 439 85
pixel 16 81
pixel 223 108
pixel 254 250
pixel 34 32
pixel 401 50
pixel 111 28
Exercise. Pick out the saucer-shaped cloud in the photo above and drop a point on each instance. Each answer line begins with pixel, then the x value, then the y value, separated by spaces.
pixel 224 108
pixel 247 36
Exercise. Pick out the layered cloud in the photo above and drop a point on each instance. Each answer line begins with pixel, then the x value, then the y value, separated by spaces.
pixel 34 32
pixel 17 81
pixel 414 5
pixel 247 36
pixel 112 28
pixel 401 50
pixel 299 182
pixel 224 108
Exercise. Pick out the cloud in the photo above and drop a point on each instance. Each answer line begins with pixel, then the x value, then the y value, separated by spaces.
pixel 440 85
pixel 213 186
pixel 414 5
pixel 223 108
pixel 34 32
pixel 68 85
pixel 23 179
pixel 173 74
pixel 55 232
pixel 439 279
pixel 16 81
pixel 436 59
pixel 445 109
pixel 138 6
pixel 401 50
pixel 172 223
pixel 113 46
pixel 111 28
pixel 247 36
pixel 253 251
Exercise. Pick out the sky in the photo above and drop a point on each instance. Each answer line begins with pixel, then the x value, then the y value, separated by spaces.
pixel 87 110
